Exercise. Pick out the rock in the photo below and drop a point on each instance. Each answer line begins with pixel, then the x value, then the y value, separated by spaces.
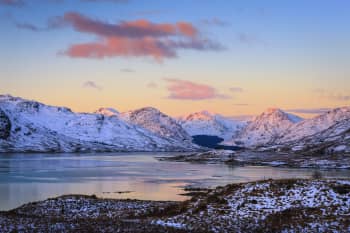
pixel 5 125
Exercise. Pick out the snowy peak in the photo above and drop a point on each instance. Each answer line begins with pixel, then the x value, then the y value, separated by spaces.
pixel 275 127
pixel 157 122
pixel 107 112
pixel 276 115
pixel 199 116
pixel 266 128
pixel 205 123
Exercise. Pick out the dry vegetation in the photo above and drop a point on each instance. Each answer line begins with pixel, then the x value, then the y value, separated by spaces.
pixel 267 206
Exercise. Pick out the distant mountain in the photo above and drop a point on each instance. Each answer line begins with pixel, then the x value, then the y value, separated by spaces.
pixel 315 125
pixel 30 126
pixel 157 122
pixel 265 128
pixel 205 123
pixel 277 130
pixel 333 140
pixel 323 134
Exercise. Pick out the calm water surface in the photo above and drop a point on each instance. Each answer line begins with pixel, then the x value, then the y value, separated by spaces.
pixel 32 177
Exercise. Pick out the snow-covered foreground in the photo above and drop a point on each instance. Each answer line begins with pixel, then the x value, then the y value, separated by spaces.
pixel 269 206
pixel 264 206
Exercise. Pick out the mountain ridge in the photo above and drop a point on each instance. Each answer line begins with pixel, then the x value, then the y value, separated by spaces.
pixel 36 127
pixel 31 126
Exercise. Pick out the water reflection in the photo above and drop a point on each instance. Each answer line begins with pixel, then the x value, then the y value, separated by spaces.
pixel 31 177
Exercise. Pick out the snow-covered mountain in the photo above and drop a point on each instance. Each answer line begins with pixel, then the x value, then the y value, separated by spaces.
pixel 265 128
pixel 157 122
pixel 27 126
pixel 333 140
pixel 205 123
pixel 326 133
pixel 315 125
pixel 32 126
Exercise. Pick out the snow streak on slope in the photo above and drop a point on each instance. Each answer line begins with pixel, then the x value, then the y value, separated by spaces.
pixel 205 123
pixel 38 127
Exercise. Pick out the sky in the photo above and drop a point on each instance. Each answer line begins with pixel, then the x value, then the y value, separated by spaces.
pixel 229 57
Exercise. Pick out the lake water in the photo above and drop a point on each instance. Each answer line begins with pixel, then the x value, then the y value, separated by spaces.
pixel 32 177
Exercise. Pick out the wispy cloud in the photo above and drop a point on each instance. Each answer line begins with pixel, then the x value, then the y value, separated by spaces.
pixel 23 2
pixel 249 39
pixel 340 97
pixel 52 23
pixel 151 12
pixel 309 110
pixel 236 89
pixel 332 95
pixel 128 29
pixel 241 105
pixel 93 85
pixel 28 26
pixel 115 1
pixel 152 85
pixel 12 2
pixel 187 90
pixel 215 22
pixel 127 70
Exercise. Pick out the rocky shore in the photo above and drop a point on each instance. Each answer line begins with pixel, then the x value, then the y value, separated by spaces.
pixel 264 158
pixel 263 206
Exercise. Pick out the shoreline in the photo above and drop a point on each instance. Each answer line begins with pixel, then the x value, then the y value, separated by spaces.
pixel 257 158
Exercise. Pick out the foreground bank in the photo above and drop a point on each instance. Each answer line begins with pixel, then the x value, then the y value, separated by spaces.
pixel 271 205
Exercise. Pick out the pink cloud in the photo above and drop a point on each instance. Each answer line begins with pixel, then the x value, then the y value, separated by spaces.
pixel 142 47
pixel 139 38
pixel 187 90
pixel 130 29
pixel 123 47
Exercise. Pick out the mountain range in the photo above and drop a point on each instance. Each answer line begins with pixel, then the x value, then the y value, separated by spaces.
pixel 30 126
pixel 278 130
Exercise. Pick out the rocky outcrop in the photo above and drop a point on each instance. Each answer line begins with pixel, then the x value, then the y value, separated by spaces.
pixel 5 125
